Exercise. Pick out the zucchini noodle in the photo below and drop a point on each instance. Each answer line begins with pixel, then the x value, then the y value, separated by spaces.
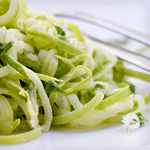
pixel 13 13
pixel 51 74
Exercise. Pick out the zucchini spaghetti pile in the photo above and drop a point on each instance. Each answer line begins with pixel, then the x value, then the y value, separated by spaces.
pixel 51 74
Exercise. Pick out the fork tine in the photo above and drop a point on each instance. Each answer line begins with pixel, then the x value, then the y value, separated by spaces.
pixel 144 39
pixel 126 55
pixel 131 57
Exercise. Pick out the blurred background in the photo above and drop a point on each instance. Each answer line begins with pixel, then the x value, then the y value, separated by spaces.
pixel 130 13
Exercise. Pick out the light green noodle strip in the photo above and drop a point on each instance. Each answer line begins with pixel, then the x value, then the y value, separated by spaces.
pixel 77 31
pixel 100 74
pixel 19 99
pixel 9 15
pixel 120 95
pixel 49 25
pixel 71 89
pixel 50 64
pixel 35 65
pixel 4 71
pixel 15 125
pixel 47 78
pixel 82 56
pixel 19 11
pixel 12 85
pixel 44 99
pixel 115 120
pixel 88 86
pixel 87 59
pixel 100 62
pixel 32 76
pixel 65 60
pixel 20 138
pixel 63 119
pixel 25 8
pixel 12 14
pixel 81 82
pixel 61 70
pixel 7 125
pixel 14 64
pixel 71 74
pixel 32 108
pixel 56 41
pixel 147 98
pixel 136 74
pixel 84 97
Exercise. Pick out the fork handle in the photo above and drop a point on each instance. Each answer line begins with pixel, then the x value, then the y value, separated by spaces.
pixel 134 35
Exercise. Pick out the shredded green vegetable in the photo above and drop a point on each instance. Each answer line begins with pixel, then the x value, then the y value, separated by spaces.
pixel 51 74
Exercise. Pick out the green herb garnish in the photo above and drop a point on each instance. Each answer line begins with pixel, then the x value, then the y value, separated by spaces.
pixel 51 86
pixel 60 31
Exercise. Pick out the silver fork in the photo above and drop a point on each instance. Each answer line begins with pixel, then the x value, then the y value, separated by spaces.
pixel 124 54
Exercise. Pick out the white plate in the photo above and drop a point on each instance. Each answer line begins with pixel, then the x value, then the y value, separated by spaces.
pixel 102 137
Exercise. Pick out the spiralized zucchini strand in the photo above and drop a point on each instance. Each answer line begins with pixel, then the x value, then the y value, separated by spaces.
pixel 51 74
pixel 62 119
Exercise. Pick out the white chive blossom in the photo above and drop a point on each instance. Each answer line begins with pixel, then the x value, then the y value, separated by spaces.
pixel 131 122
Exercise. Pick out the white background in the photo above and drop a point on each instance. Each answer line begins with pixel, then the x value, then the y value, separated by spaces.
pixel 134 14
